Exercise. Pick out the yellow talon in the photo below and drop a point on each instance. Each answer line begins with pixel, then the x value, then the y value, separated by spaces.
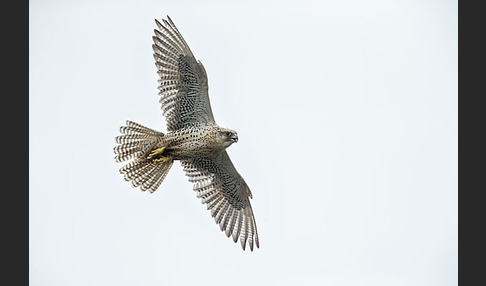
pixel 160 160
pixel 156 152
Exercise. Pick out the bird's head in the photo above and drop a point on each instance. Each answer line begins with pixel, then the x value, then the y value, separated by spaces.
pixel 227 137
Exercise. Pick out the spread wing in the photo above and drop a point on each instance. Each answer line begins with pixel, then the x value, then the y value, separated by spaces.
pixel 226 194
pixel 183 83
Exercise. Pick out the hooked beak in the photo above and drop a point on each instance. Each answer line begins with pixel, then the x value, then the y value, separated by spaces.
pixel 234 138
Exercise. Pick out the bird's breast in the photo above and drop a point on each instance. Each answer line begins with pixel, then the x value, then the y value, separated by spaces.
pixel 192 143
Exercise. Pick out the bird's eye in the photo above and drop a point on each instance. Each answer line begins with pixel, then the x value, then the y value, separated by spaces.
pixel 228 133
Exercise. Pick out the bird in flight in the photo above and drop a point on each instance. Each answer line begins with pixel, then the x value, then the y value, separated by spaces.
pixel 192 137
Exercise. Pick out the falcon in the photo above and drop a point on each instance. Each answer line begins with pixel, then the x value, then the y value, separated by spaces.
pixel 192 137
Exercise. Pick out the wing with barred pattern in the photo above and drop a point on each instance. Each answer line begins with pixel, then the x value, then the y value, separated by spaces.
pixel 226 195
pixel 183 83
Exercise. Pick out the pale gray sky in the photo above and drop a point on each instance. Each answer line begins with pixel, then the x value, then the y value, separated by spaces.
pixel 347 117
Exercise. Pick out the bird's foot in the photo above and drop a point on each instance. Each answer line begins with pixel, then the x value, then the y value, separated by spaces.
pixel 158 153
pixel 160 160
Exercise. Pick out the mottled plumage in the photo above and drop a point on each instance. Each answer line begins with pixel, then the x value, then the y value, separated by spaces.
pixel 193 138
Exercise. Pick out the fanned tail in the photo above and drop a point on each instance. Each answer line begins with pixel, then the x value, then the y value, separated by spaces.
pixel 136 143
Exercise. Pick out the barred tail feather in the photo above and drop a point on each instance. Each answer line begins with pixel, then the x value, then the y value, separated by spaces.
pixel 136 143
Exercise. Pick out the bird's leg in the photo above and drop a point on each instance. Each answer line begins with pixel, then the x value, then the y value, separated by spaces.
pixel 156 153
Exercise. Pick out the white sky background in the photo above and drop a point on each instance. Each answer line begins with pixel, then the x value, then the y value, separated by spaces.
pixel 347 117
